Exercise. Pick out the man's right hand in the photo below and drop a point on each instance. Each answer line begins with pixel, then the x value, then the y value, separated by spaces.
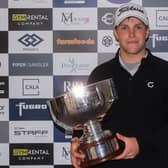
pixel 76 155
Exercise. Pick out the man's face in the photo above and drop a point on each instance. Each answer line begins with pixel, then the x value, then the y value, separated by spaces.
pixel 132 35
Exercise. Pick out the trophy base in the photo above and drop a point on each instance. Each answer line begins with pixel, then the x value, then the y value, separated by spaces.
pixel 100 151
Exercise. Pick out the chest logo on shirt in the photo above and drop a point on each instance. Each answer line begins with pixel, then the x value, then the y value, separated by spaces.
pixel 150 84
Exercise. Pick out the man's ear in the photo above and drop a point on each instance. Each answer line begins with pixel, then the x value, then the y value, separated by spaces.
pixel 115 34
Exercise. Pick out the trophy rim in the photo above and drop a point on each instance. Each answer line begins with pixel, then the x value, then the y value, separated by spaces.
pixel 85 86
pixel 55 109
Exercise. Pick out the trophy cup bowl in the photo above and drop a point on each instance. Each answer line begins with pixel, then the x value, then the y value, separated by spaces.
pixel 86 106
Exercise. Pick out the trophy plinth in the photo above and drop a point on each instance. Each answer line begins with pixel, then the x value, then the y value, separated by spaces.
pixel 85 106
pixel 98 145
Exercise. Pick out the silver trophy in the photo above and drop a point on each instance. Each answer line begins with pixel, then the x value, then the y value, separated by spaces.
pixel 84 107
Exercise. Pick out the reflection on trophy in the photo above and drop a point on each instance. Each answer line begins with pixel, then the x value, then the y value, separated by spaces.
pixel 85 107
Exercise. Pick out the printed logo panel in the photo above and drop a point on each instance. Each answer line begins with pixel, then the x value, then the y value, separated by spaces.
pixel 30 64
pixel 4 130
pixel 74 64
pixel 30 3
pixel 75 41
pixel 4 64
pixel 158 18
pixel 161 3
pixel 29 109
pixel 4 4
pixel 119 1
pixel 63 153
pixel 64 84
pixel 106 18
pixel 31 87
pixel 162 18
pixel 4 109
pixel 107 42
pixel 4 45
pixel 161 55
pixel 61 135
pixel 31 154
pixel 116 3
pixel 4 91
pixel 30 19
pixel 30 42
pixel 4 154
pixel 74 19
pixel 74 3
pixel 31 131
pixel 104 57
pixel 158 40
pixel 4 19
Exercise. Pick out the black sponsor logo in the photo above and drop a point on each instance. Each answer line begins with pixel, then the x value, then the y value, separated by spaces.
pixel 30 19
pixel 30 40
pixel 4 87
pixel 107 41
pixel 31 154
pixel 129 8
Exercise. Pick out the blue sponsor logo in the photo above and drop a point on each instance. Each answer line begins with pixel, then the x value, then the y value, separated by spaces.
pixel 119 1
pixel 74 3
pixel 64 84
pixel 158 41
pixel 29 109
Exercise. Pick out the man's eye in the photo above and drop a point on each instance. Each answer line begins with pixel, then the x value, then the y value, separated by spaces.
pixel 123 27
pixel 139 27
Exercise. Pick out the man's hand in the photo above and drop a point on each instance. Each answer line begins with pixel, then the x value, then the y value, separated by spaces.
pixel 131 147
pixel 76 155
pixel 131 150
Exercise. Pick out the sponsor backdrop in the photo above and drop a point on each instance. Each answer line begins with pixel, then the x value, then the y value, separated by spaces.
pixel 46 47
